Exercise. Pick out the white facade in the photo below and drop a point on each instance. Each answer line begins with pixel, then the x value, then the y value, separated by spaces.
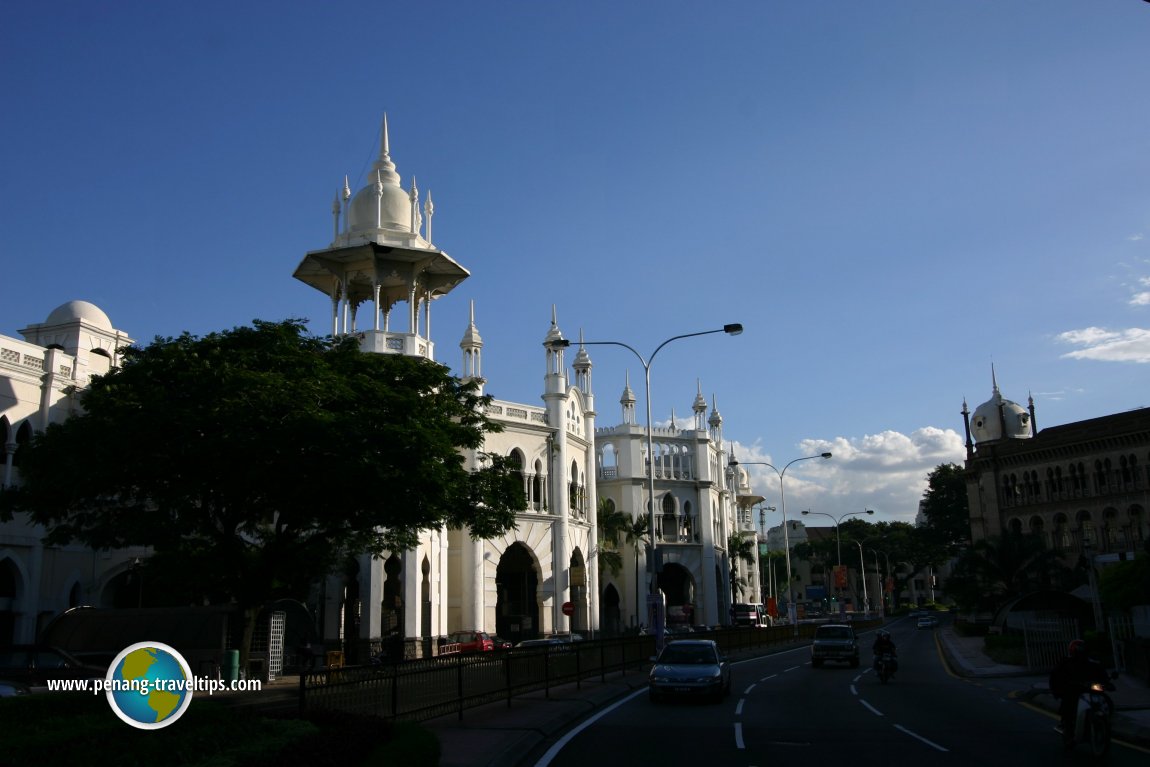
pixel 381 269
pixel 37 378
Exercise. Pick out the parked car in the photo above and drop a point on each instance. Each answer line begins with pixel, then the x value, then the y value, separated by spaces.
pixel 499 643
pixel 837 642
pixel 528 644
pixel 690 668
pixel 927 622
pixel 566 637
pixel 472 641
pixel 34 665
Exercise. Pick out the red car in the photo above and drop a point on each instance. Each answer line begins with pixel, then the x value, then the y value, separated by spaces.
pixel 472 641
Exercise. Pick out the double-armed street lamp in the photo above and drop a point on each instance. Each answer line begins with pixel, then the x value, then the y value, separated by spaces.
pixel 732 329
pixel 791 613
pixel 838 538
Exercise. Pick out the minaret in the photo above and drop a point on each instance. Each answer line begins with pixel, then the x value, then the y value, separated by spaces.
pixel 716 422
pixel 628 402
pixel 555 397
pixel 472 346
pixel 966 423
pixel 582 367
pixel 1033 421
pixel 700 408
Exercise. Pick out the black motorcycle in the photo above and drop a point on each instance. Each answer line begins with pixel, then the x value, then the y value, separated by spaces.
pixel 885 664
pixel 1095 708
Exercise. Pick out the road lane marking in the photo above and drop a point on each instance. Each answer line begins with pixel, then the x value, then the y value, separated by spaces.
pixel 748 690
pixel 739 708
pixel 854 690
pixel 562 742
pixel 919 737
pixel 772 676
pixel 739 736
pixel 873 710
pixel 792 668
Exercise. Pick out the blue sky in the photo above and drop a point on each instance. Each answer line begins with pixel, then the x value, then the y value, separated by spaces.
pixel 889 196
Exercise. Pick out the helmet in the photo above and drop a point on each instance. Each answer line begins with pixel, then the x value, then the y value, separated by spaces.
pixel 1076 649
pixel 883 634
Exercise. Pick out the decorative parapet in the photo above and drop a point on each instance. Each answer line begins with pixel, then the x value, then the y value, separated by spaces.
pixel 515 412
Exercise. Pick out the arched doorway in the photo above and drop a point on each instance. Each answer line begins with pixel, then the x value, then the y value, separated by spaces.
pixel 610 619
pixel 517 605
pixel 678 586
pixel 391 611
pixel 577 570
pixel 9 592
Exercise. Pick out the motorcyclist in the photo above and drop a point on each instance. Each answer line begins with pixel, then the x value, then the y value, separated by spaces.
pixel 884 645
pixel 1070 677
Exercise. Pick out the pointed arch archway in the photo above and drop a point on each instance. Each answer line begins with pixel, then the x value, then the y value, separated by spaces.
pixel 517 601
pixel 578 574
pixel 610 617
pixel 678 586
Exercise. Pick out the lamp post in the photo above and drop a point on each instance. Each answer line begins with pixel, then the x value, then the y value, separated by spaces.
pixel 862 567
pixel 762 538
pixel 881 585
pixel 732 329
pixel 791 614
pixel 838 538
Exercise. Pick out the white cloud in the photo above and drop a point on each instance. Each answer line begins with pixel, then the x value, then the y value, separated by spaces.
pixel 1140 299
pixel 1130 345
pixel 886 472
pixel 1135 237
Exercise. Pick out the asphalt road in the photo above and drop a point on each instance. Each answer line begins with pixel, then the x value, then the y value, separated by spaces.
pixel 782 708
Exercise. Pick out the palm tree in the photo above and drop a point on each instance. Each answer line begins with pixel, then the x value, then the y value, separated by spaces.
pixel 611 524
pixel 995 569
pixel 739 548
pixel 636 534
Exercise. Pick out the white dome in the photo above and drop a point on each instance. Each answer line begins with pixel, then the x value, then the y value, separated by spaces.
pixel 370 211
pixel 79 310
pixel 996 414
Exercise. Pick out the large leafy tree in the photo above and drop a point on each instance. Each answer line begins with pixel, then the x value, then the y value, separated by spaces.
pixel 945 508
pixel 995 570
pixel 255 460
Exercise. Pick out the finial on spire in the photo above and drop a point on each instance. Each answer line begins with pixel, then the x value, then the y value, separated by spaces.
pixel 993 378
pixel 384 148
pixel 346 189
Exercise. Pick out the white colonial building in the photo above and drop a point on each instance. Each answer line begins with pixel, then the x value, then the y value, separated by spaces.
pixel 39 376
pixel 381 274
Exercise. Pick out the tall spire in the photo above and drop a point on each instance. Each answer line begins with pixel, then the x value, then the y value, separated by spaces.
pixel 384 167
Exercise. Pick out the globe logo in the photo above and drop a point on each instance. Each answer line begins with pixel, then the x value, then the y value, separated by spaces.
pixel 149 685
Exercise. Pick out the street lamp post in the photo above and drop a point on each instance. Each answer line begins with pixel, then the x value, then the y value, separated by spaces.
pixel 881 585
pixel 732 329
pixel 791 613
pixel 838 538
pixel 762 538
pixel 862 566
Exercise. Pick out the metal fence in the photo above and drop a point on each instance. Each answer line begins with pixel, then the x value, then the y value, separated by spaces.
pixel 1046 640
pixel 431 687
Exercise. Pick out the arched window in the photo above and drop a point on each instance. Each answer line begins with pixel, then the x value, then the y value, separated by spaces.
pixel 538 496
pixel 1086 528
pixel 1061 534
pixel 517 463
pixel 668 526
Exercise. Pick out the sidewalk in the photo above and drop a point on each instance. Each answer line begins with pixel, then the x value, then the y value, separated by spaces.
pixel 497 735
pixel 1131 697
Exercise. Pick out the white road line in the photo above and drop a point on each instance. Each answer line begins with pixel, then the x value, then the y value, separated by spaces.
pixel 739 708
pixel 559 744
pixel 748 690
pixel 854 691
pixel 919 737
pixel 772 676
pixel 873 710
pixel 792 668
pixel 739 736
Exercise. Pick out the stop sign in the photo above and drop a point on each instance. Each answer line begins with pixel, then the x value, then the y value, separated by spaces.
pixel 568 609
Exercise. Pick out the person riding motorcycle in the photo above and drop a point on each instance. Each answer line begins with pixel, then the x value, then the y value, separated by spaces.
pixel 884 645
pixel 1070 677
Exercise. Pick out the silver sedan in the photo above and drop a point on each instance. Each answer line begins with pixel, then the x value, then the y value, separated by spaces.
pixel 690 668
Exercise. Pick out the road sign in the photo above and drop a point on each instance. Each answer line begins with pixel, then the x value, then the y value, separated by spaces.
pixel 568 609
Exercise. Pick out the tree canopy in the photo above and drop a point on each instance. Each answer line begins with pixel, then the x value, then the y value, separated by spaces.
pixel 254 460
pixel 945 508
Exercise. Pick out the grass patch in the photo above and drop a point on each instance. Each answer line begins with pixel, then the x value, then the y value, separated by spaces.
pixel 58 730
